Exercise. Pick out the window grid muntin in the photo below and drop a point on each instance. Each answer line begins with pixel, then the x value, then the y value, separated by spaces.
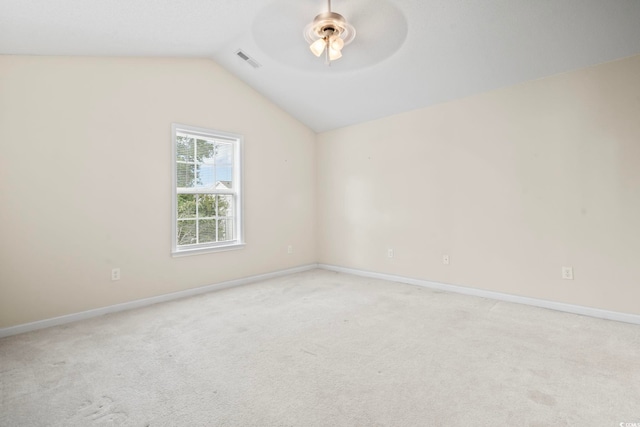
pixel 217 218
pixel 215 166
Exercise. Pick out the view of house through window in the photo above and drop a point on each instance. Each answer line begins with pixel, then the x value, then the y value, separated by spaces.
pixel 207 189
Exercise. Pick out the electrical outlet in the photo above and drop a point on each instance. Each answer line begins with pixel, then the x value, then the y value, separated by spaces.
pixel 390 253
pixel 567 273
pixel 445 259
pixel 115 274
pixel 289 249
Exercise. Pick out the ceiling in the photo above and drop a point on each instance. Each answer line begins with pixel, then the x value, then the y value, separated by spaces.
pixel 407 54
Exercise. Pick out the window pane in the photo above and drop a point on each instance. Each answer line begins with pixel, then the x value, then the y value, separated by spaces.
pixel 224 154
pixel 225 205
pixel 225 230
pixel 222 231
pixel 205 176
pixel 205 151
pixel 187 232
pixel 224 164
pixel 185 146
pixel 185 175
pixel 207 229
pixel 186 206
pixel 206 206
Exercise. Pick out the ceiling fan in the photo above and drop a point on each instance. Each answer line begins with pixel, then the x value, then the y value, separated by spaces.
pixel 329 32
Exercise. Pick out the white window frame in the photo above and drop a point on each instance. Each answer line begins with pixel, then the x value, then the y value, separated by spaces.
pixel 236 191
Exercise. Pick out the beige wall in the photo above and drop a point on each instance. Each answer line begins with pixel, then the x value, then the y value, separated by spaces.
pixel 512 184
pixel 85 181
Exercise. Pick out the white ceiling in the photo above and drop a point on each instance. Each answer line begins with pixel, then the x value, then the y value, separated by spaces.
pixel 407 54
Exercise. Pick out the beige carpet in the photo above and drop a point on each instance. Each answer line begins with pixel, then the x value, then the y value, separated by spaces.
pixel 325 349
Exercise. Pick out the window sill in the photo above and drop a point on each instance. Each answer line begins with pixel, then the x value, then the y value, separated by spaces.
pixel 199 251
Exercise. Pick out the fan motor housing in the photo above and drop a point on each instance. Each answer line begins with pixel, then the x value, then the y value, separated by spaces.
pixel 332 23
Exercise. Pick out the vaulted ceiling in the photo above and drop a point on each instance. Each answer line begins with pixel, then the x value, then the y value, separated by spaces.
pixel 407 54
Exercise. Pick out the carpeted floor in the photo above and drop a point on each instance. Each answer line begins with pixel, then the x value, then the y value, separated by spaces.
pixel 325 349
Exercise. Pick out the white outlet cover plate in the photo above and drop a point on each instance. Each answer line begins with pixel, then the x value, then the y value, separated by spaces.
pixel 567 273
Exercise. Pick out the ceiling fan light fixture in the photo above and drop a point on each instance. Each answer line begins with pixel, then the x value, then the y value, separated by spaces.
pixel 330 31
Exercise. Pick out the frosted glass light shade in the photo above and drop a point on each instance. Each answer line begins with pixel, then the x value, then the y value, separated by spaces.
pixel 334 54
pixel 336 43
pixel 317 47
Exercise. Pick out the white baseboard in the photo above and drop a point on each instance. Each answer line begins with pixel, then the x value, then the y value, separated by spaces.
pixel 61 320
pixel 553 305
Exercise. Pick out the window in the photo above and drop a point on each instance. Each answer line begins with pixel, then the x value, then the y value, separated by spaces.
pixel 207 190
